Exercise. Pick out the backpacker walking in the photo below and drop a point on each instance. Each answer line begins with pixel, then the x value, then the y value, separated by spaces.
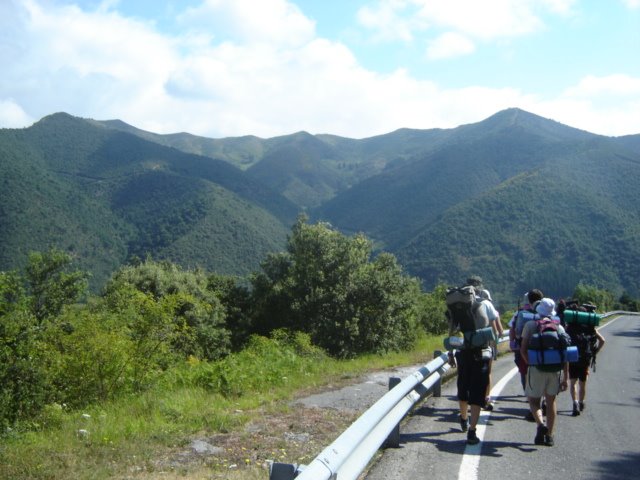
pixel 585 336
pixel 468 315
pixel 544 338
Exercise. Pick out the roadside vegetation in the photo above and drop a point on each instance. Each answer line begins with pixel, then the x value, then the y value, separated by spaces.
pixel 118 385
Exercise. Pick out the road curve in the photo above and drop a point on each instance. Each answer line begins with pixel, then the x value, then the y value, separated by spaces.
pixel 602 443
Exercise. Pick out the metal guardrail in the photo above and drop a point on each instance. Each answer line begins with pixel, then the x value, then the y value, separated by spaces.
pixel 349 454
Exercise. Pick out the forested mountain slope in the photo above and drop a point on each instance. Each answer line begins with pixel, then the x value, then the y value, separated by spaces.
pixel 519 199
pixel 107 195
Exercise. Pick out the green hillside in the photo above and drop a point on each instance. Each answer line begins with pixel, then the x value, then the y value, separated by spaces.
pixel 107 195
pixel 475 203
pixel 519 199
pixel 537 229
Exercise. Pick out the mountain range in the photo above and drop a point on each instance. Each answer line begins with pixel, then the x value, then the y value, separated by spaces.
pixel 521 200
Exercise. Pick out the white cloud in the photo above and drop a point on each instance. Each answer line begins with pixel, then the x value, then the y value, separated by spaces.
pixel 12 115
pixel 631 3
pixel 269 78
pixel 390 22
pixel 450 44
pixel 616 85
pixel 247 21
pixel 486 20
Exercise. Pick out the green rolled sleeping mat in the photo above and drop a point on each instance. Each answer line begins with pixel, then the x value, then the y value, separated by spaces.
pixel 586 318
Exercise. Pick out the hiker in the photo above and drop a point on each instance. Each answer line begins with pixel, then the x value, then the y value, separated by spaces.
pixel 494 316
pixel 468 315
pixel 589 341
pixel 531 298
pixel 544 379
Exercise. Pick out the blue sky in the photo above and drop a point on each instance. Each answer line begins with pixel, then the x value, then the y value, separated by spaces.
pixel 355 68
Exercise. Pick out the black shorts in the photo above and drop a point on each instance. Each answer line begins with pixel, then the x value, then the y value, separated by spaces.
pixel 473 376
pixel 579 370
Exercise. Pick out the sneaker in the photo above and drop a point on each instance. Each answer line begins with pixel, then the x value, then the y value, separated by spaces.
pixel 582 405
pixel 472 438
pixel 548 440
pixel 464 424
pixel 541 433
pixel 575 412
pixel 488 406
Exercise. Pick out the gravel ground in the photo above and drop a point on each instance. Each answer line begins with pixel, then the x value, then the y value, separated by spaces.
pixel 294 434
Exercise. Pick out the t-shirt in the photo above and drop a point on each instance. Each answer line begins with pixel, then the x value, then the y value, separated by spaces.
pixel 492 313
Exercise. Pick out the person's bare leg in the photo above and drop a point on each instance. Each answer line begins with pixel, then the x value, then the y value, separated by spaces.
pixel 552 411
pixel 582 391
pixel 464 409
pixel 475 416
pixel 536 411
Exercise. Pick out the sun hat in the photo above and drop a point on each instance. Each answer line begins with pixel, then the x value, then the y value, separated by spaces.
pixel 546 307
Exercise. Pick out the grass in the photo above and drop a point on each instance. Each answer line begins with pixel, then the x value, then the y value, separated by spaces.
pixel 148 436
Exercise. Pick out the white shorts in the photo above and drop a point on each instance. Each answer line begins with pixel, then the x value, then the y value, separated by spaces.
pixel 540 383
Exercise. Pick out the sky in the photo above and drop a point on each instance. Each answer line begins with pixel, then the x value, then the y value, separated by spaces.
pixel 354 68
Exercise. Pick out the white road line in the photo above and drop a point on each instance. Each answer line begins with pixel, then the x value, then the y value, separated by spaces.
pixel 609 322
pixel 471 458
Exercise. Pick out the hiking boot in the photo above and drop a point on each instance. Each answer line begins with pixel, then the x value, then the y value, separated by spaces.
pixel 548 440
pixel 464 424
pixel 541 433
pixel 472 438
pixel 582 405
pixel 575 412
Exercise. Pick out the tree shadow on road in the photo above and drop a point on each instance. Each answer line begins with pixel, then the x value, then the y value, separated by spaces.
pixel 456 442
pixel 452 439
pixel 622 466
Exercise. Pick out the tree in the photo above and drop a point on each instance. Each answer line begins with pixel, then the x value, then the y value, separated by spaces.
pixel 603 299
pixel 198 314
pixel 24 385
pixel 432 311
pixel 327 285
pixel 51 285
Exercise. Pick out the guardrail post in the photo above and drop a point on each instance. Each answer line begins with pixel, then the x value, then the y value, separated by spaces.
pixel 437 387
pixel 283 471
pixel 393 440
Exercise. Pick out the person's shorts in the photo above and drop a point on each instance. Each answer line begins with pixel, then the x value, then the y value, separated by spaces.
pixel 579 370
pixel 541 383
pixel 473 376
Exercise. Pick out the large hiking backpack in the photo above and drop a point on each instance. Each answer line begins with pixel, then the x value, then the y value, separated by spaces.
pixel 585 339
pixel 548 339
pixel 466 315
pixel 527 315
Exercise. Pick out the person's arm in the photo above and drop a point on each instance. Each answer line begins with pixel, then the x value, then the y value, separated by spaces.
pixel 451 353
pixel 564 381
pixel 601 341
pixel 512 329
pixel 524 346
pixel 499 326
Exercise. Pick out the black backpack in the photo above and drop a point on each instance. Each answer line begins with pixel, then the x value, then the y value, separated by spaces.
pixel 585 339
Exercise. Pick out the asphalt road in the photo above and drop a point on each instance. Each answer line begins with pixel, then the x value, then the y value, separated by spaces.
pixel 602 443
